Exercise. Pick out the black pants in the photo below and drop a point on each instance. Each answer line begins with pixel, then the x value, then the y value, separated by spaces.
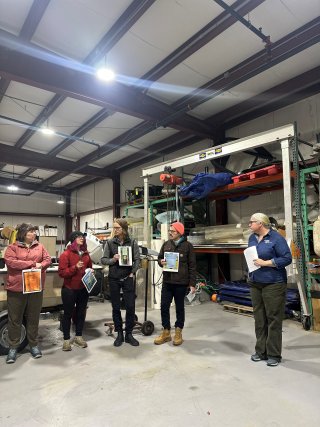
pixel 169 292
pixel 268 310
pixel 73 299
pixel 127 286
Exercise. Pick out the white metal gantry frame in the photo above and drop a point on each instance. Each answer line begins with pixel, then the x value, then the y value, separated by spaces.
pixel 281 134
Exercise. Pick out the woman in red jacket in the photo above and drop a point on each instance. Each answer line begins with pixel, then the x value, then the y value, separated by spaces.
pixel 72 265
pixel 26 253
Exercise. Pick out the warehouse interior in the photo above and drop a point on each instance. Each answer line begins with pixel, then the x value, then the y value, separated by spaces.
pixel 114 108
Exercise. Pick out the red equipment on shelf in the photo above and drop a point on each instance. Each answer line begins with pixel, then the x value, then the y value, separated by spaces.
pixel 170 179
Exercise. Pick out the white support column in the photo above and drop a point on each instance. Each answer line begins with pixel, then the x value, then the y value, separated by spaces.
pixel 287 188
pixel 146 228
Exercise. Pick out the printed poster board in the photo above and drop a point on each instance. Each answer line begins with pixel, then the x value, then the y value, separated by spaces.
pixel 31 281
pixel 125 253
pixel 172 262
pixel 89 280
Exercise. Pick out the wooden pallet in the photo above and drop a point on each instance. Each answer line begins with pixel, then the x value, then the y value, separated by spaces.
pixel 239 309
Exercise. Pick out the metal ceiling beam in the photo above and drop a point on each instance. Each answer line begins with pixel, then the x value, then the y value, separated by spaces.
pixel 72 79
pixel 30 25
pixel 129 17
pixel 296 40
pixel 213 29
pixel 155 150
pixel 248 108
pixel 30 158
pixel 233 12
pixel 293 43
pixel 299 87
pixel 82 130
pixel 121 26
pixel 200 39
pixel 25 185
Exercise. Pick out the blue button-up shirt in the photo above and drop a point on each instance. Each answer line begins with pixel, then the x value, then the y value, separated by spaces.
pixel 271 247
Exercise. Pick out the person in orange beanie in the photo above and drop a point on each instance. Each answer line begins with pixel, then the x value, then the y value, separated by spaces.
pixel 182 262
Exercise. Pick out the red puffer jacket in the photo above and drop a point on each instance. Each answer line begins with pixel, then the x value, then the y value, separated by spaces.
pixel 67 268
pixel 20 257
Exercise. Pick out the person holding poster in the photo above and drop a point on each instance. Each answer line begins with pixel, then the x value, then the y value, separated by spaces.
pixel 178 261
pixel 268 288
pixel 73 263
pixel 122 255
pixel 26 261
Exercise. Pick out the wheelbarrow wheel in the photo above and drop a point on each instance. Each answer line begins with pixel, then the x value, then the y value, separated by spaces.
pixel 147 328
pixel 306 323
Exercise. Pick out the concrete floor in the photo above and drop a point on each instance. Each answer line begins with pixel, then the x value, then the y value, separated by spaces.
pixel 208 381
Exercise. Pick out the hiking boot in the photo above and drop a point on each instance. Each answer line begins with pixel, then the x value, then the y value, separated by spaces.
pixel 79 342
pixel 12 356
pixel 164 337
pixel 35 352
pixel 131 340
pixel 119 340
pixel 258 357
pixel 177 339
pixel 272 362
pixel 66 345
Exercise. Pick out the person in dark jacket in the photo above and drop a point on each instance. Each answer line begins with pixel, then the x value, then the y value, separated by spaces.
pixel 268 288
pixel 121 276
pixel 72 265
pixel 175 284
pixel 26 253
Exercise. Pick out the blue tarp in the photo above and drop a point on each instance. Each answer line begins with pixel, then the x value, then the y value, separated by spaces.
pixel 239 292
pixel 203 183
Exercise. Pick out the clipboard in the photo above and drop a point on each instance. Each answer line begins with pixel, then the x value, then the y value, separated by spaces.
pixel 31 281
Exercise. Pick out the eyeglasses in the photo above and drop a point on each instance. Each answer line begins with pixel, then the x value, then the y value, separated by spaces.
pixel 251 222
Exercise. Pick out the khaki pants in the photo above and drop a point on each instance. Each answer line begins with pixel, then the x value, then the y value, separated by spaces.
pixel 23 305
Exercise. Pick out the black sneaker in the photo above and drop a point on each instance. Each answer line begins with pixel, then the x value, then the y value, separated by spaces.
pixel 257 357
pixel 272 362
pixel 130 340
pixel 35 352
pixel 12 356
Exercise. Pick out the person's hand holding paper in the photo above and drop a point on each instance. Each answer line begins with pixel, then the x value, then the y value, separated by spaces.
pixel 251 255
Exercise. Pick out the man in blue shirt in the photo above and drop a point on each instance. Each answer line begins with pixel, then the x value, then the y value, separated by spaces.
pixel 268 288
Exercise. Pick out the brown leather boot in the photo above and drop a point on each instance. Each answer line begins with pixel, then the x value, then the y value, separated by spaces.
pixel 164 337
pixel 177 340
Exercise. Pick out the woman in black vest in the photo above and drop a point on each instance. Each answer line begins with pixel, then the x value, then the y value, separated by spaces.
pixel 122 255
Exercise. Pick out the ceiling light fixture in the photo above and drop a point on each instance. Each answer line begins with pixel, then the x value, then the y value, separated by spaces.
pixel 105 74
pixel 13 188
pixel 47 131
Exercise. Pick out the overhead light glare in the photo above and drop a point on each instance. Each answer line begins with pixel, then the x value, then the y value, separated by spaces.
pixel 60 202
pixel 105 74
pixel 13 188
pixel 47 131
